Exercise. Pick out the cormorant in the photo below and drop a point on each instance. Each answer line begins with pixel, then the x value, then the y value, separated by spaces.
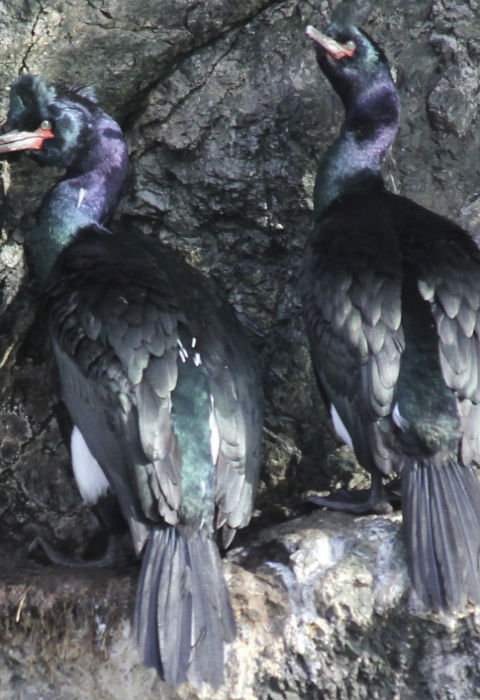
pixel 391 297
pixel 156 374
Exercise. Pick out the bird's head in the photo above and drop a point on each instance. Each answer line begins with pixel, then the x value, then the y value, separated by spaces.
pixel 349 58
pixel 55 126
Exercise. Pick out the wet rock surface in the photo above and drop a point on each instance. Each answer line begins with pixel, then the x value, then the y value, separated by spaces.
pixel 227 115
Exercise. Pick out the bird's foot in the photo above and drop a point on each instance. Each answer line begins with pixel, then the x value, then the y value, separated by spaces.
pixel 114 554
pixel 394 491
pixel 359 502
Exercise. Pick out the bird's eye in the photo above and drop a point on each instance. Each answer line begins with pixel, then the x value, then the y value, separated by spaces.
pixel 351 45
pixel 46 124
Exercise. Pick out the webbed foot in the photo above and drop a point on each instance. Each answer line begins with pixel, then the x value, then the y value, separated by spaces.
pixel 114 554
pixel 358 501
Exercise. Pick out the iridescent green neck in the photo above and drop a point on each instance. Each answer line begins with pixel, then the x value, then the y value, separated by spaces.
pixel 343 165
pixel 371 122
pixel 59 219
pixel 85 197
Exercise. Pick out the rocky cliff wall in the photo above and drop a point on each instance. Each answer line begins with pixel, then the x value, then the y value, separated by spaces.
pixel 226 116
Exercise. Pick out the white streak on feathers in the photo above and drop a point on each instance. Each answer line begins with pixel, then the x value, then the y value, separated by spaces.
pixel 214 434
pixel 81 196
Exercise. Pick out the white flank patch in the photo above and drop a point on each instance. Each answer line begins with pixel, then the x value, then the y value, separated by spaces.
pixel 398 419
pixel 91 480
pixel 339 426
pixel 214 434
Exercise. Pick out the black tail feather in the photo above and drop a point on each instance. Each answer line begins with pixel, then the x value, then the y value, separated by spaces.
pixel 183 614
pixel 441 510
pixel 446 533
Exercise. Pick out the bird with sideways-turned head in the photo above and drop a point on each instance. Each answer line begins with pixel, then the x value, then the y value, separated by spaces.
pixel 156 374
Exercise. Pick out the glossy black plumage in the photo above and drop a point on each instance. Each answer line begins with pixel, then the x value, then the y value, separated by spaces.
pixel 391 295
pixel 151 363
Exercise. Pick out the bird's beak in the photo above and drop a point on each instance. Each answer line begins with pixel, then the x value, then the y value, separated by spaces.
pixel 332 47
pixel 24 140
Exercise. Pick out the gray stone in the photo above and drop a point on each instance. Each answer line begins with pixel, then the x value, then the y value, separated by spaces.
pixel 452 104
pixel 323 607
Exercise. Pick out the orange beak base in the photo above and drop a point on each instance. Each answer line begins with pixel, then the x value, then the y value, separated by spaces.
pixel 332 47
pixel 24 140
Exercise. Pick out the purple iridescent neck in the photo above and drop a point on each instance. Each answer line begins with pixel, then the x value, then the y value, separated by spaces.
pixel 368 131
pixel 86 195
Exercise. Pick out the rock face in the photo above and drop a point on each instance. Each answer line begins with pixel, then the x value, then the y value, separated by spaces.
pixel 323 611
pixel 227 115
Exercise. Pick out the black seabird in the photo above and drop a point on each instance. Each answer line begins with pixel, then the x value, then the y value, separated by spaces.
pixel 391 296
pixel 157 377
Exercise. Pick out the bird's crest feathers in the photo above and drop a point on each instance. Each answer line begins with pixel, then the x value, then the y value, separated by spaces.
pixel 351 13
